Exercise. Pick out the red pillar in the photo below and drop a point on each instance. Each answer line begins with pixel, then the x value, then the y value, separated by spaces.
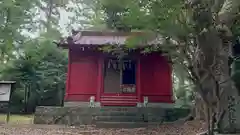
pixel 171 80
pixel 100 78
pixel 139 80
pixel 68 76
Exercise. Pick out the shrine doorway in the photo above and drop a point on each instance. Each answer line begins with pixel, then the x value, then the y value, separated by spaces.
pixel 119 76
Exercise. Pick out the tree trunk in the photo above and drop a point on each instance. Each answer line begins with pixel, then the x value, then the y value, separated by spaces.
pixel 200 109
pixel 217 88
pixel 212 22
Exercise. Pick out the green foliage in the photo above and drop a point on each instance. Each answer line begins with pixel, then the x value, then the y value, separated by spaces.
pixel 40 73
pixel 183 87
pixel 38 67
pixel 236 73
pixel 176 113
pixel 236 28
pixel 13 16
pixel 162 16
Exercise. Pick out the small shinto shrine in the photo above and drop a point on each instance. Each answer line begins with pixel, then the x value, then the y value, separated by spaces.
pixel 112 83
pixel 115 77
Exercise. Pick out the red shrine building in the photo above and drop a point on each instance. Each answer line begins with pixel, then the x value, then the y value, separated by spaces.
pixel 104 79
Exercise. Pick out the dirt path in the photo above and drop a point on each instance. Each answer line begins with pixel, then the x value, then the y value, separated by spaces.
pixel 190 128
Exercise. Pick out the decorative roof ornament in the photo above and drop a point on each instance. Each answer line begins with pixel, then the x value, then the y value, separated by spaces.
pixel 76 35
pixel 119 52
pixel 74 32
pixel 70 40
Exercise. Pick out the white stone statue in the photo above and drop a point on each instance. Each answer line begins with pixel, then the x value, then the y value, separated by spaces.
pixel 145 101
pixel 92 100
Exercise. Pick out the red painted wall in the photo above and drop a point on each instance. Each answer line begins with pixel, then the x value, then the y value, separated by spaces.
pixel 85 78
pixel 156 79
pixel 83 75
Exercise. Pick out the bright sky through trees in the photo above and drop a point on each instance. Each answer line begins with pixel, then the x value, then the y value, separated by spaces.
pixel 64 22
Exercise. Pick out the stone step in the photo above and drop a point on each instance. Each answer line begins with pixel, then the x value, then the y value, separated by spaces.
pixel 118 100
pixel 123 116
pixel 117 113
pixel 125 97
pixel 121 124
pixel 113 103
pixel 119 109
pixel 119 118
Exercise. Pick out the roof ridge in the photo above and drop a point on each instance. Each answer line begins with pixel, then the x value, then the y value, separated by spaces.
pixel 105 33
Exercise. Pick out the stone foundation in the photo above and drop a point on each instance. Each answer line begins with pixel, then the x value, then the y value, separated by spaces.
pixel 81 104
pixel 87 116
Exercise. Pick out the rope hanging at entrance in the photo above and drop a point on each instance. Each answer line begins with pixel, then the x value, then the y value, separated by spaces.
pixel 115 64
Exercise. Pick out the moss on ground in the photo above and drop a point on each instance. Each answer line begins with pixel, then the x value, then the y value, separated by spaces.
pixel 17 119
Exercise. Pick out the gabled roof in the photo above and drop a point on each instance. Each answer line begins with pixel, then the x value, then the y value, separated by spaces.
pixel 98 38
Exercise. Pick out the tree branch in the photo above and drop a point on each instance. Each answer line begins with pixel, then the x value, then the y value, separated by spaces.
pixel 229 11
pixel 217 5
pixel 49 14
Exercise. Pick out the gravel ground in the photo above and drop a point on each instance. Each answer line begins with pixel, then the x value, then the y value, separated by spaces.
pixel 189 128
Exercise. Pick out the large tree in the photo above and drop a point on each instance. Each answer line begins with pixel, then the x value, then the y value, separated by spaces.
pixel 203 32
pixel 214 20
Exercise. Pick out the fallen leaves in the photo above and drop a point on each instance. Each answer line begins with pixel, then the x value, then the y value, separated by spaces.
pixel 187 128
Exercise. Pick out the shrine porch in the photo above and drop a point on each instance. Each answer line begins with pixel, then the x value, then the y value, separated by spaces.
pixel 98 104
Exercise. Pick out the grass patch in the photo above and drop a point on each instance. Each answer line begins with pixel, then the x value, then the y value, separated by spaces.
pixel 17 119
